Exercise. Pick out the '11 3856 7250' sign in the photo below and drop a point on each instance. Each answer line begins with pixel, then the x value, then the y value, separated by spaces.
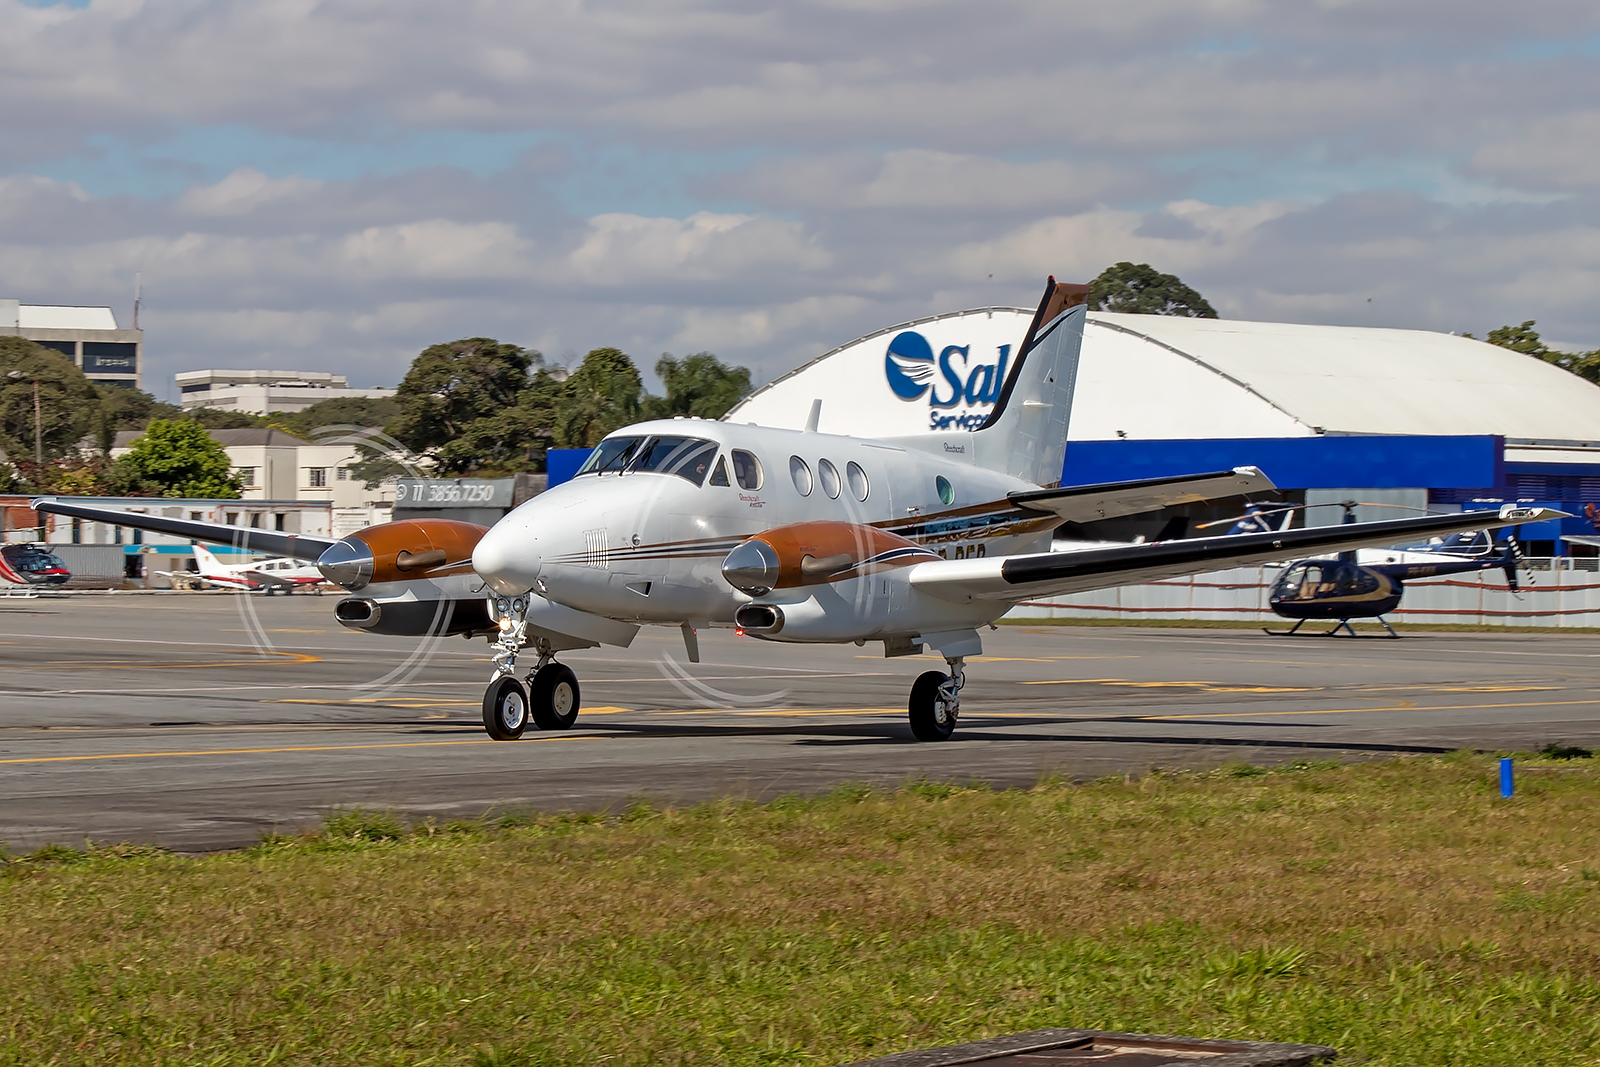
pixel 453 493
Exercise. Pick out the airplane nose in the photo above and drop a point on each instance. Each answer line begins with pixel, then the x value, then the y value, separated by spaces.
pixel 752 568
pixel 507 558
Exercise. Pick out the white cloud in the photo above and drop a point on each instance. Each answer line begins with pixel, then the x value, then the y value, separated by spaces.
pixel 921 179
pixel 767 182
pixel 243 191
pixel 625 249
pixel 1559 152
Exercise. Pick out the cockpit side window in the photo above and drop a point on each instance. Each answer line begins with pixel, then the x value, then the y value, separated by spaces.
pixel 746 469
pixel 687 457
pixel 719 476
pixel 611 455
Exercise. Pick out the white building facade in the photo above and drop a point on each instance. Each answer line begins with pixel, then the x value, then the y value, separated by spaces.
pixel 259 392
pixel 278 466
pixel 89 336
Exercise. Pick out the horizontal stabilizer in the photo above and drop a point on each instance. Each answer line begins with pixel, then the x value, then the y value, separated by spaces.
pixel 272 542
pixel 1109 500
pixel 1026 577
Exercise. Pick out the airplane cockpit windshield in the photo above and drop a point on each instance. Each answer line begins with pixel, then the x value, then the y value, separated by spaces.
pixel 687 457
pixel 611 455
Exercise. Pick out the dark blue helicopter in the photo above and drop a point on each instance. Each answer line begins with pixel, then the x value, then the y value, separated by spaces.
pixel 1369 584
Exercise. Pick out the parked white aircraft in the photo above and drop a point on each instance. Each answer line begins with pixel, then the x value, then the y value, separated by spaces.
pixel 788 535
pixel 280 573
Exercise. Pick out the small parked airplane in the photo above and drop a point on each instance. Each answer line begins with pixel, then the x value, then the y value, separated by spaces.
pixel 281 573
pixel 789 536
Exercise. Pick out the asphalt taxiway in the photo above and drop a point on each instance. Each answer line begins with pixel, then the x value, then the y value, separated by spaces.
pixel 199 722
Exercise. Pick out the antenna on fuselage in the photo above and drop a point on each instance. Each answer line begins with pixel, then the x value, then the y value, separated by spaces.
pixel 815 416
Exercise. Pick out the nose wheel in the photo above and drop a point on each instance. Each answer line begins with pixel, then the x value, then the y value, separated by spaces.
pixel 550 699
pixel 505 709
pixel 553 697
pixel 936 703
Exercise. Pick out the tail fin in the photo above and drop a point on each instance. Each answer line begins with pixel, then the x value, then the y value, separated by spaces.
pixel 207 563
pixel 1512 561
pixel 1026 434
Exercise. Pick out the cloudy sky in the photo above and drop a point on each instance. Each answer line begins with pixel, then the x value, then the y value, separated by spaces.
pixel 333 184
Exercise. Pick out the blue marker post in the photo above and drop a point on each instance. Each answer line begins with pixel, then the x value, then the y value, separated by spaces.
pixel 1507 783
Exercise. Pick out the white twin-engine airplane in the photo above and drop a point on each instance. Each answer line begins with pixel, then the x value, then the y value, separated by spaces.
pixel 789 536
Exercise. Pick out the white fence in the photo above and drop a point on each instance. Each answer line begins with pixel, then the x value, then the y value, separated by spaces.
pixel 1548 597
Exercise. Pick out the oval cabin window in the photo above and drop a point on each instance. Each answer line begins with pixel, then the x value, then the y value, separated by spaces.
pixel 801 475
pixel 828 475
pixel 857 479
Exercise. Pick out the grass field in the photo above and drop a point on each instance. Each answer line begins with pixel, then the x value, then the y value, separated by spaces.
pixel 1400 911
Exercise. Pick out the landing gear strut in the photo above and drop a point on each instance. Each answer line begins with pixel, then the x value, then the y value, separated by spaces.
pixel 936 702
pixel 550 698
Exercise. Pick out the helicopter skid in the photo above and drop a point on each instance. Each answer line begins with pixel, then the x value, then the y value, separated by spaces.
pixel 1344 624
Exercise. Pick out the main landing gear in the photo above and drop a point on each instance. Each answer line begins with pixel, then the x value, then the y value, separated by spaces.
pixel 936 702
pixel 549 698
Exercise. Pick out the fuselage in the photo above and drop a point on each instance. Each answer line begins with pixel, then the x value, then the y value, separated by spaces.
pixel 1333 588
pixel 24 564
pixel 640 535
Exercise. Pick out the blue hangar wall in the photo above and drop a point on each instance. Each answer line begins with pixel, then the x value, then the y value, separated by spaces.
pixel 1456 471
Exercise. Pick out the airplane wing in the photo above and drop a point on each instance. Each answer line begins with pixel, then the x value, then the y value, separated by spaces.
pixel 264 578
pixel 1108 500
pixel 1023 577
pixel 299 546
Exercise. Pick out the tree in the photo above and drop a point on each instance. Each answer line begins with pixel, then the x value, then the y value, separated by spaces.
pixel 340 411
pixel 1522 339
pixel 176 457
pixel 1525 339
pixel 450 386
pixel 67 406
pixel 1140 289
pixel 602 395
pixel 223 419
pixel 700 385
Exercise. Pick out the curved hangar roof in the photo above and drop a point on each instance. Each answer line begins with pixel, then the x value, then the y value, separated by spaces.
pixel 1155 377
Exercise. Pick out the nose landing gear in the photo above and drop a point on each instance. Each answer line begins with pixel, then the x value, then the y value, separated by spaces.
pixel 551 697
pixel 936 702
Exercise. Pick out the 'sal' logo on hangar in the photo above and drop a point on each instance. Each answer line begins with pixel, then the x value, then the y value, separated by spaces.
pixel 951 381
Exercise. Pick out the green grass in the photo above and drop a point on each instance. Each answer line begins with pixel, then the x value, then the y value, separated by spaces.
pixel 1399 911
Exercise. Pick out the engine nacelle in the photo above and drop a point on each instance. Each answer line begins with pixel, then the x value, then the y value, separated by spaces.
pixel 400 551
pixel 817 553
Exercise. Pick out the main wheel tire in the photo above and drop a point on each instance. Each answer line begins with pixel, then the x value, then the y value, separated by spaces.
pixel 553 697
pixel 505 709
pixel 927 724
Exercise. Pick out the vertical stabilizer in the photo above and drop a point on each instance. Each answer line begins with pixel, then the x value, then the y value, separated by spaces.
pixel 206 562
pixel 1026 434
